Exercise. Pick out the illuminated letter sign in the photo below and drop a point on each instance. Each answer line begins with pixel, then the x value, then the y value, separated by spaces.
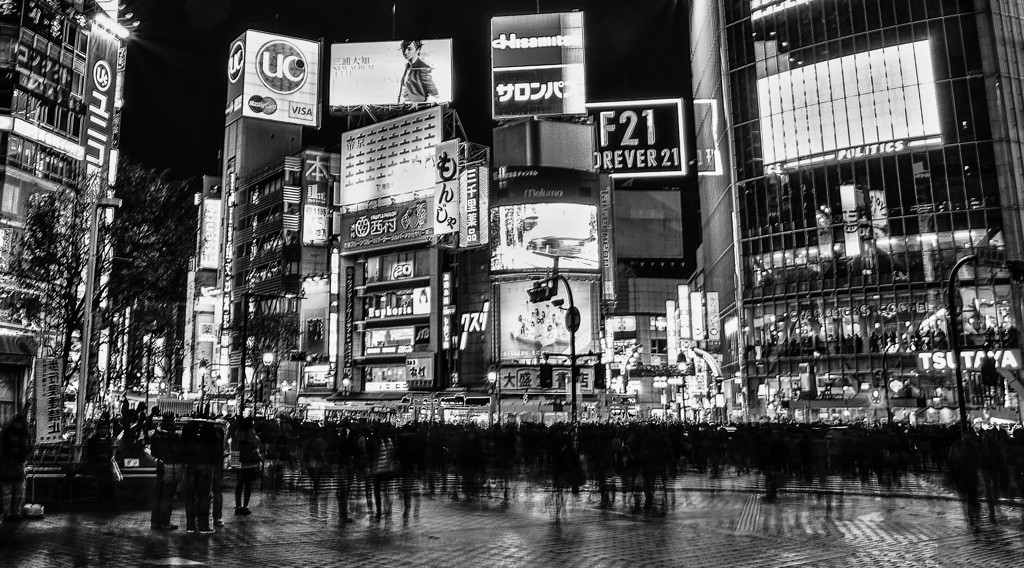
pixel 640 138
pixel 1008 359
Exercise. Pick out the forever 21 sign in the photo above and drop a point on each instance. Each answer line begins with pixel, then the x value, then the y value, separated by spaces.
pixel 639 138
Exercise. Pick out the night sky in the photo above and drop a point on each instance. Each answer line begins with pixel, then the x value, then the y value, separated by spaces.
pixel 175 88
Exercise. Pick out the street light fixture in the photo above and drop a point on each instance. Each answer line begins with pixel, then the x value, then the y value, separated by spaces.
pixel 248 296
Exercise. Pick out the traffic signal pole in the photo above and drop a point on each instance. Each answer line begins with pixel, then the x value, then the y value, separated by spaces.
pixel 954 336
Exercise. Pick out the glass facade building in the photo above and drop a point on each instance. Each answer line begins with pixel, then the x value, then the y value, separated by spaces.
pixel 874 143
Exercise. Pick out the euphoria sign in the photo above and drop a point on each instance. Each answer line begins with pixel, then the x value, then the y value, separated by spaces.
pixel 640 138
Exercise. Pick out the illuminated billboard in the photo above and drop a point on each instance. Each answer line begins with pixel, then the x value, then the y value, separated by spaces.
pixel 391 72
pixel 528 329
pixel 273 77
pixel 390 158
pixel 876 102
pixel 528 235
pixel 397 303
pixel 387 226
pixel 640 138
pixel 537 65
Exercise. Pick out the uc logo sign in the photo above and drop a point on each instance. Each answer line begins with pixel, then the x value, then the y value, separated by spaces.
pixel 235 60
pixel 281 67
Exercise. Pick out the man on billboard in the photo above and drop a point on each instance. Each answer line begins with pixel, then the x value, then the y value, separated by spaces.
pixel 417 85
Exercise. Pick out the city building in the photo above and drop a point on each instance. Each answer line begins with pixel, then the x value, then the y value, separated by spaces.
pixel 60 100
pixel 868 146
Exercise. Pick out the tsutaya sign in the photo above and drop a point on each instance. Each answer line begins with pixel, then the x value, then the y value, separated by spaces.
pixel 972 359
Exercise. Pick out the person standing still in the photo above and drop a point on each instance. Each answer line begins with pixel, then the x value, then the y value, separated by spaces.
pixel 200 451
pixel 15 447
pixel 165 446
pixel 247 443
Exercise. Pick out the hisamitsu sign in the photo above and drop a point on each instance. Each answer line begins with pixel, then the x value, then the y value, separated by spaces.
pixel 972 359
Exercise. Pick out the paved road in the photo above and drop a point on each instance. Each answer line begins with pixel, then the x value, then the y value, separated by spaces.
pixel 687 527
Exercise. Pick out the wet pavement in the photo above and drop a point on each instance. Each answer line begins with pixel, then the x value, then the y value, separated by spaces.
pixel 695 521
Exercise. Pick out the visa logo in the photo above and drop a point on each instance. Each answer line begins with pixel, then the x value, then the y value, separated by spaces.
pixel 300 111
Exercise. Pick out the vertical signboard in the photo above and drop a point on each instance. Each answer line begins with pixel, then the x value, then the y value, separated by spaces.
pixel 607 243
pixel 350 313
pixel 705 114
pixel 852 202
pixel 316 180
pixel 473 205
pixel 49 403
pixel 714 321
pixel 537 65
pixel 683 301
pixel 697 315
pixel 210 255
pixel 672 331
pixel 446 187
pixel 100 90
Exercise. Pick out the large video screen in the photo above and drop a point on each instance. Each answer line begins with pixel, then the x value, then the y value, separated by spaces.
pixel 528 330
pixel 530 234
pixel 875 102
pixel 391 72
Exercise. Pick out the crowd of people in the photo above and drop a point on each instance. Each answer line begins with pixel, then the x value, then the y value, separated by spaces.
pixel 377 462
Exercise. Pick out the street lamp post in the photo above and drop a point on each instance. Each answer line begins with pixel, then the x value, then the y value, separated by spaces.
pixel 246 298
pixel 203 366
pixel 954 335
pixel 885 382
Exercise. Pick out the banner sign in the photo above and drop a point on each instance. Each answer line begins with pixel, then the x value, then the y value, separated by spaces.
pixel 49 403
pixel 537 65
pixel 640 138
pixel 683 303
pixel 697 315
pixel 390 158
pixel 446 187
pixel 387 226
pixel 275 78
pixel 528 379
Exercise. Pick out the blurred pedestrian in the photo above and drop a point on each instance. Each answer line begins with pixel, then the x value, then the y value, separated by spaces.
pixel 200 449
pixel 247 444
pixel 15 446
pixel 166 447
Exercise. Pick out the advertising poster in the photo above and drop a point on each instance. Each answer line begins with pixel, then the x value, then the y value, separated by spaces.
pixel 273 77
pixel 705 114
pixel 385 226
pixel 397 303
pixel 390 158
pixel 446 188
pixel 527 236
pixel 49 403
pixel 529 329
pixel 537 65
pixel 391 72
pixel 640 138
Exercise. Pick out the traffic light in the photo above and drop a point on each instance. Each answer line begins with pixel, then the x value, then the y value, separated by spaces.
pixel 600 380
pixel 546 375
pixel 543 290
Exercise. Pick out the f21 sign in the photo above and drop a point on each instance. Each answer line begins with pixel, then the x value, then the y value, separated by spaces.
pixel 640 138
